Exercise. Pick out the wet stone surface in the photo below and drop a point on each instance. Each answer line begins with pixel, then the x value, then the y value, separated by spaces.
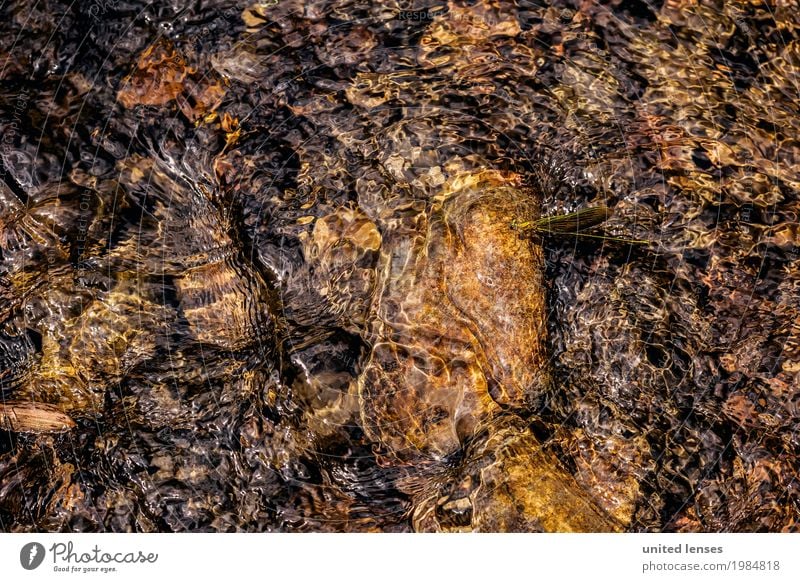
pixel 259 270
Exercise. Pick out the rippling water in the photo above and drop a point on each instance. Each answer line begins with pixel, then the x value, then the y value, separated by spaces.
pixel 211 215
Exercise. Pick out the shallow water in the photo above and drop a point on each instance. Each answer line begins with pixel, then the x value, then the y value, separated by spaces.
pixel 196 205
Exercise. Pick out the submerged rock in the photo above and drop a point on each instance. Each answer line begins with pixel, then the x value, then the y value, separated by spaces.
pixel 257 261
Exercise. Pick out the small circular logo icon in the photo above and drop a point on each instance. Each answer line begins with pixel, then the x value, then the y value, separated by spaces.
pixel 31 555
